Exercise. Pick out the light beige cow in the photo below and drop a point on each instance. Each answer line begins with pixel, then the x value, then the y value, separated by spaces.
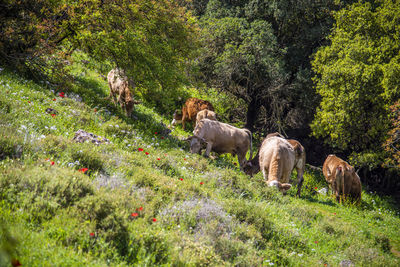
pixel 221 138
pixel 342 178
pixel 206 114
pixel 121 90
pixel 276 158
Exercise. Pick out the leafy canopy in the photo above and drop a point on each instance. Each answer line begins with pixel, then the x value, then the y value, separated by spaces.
pixel 358 78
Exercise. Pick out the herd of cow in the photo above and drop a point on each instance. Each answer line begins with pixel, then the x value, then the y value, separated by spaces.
pixel 276 157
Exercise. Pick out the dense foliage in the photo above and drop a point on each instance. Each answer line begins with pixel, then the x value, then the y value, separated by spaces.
pixel 358 78
pixel 259 51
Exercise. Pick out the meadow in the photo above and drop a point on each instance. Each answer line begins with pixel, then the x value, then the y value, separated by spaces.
pixel 144 200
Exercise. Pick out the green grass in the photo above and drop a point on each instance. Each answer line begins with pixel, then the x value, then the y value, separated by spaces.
pixel 206 211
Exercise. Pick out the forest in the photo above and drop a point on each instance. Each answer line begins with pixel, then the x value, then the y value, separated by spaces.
pixel 323 72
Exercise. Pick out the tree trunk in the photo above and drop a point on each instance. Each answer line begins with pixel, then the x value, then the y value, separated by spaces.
pixel 252 113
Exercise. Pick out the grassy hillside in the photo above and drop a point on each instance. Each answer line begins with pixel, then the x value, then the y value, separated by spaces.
pixel 145 200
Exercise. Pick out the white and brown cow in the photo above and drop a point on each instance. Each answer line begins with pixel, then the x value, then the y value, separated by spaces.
pixel 121 90
pixel 221 138
pixel 342 178
pixel 189 111
pixel 276 158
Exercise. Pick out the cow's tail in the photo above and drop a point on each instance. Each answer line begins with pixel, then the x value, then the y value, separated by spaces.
pixel 251 143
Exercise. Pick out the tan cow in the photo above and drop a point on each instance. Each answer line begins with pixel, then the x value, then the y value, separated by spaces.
pixel 120 90
pixel 221 138
pixel 206 114
pixel 276 158
pixel 189 111
pixel 342 178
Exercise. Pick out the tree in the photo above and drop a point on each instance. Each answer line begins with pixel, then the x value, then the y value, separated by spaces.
pixel 358 79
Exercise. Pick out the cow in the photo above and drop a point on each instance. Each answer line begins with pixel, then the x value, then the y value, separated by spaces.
pixel 189 111
pixel 342 178
pixel 206 114
pixel 276 158
pixel 120 90
pixel 221 138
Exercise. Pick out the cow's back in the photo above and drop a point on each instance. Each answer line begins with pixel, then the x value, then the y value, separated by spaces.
pixel 194 105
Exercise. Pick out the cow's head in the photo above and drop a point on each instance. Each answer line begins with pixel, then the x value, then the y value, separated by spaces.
pixel 252 166
pixel 281 187
pixel 177 117
pixel 196 143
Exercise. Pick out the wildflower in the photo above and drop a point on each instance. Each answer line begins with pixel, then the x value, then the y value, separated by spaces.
pixel 154 219
pixel 155 133
pixel 53 115
pixel 134 214
pixel 201 183
pixel 92 234
pixel 139 209
pixel 146 153
pixel 181 179
pixel 184 159
pixel 52 163
pixel 95 110
pixel 61 94
pixel 54 99
pixel 316 242
pixel 140 149
pixel 83 170
pixel 29 101
pixel 162 137
pixel 315 188
pixel 334 213
pixel 158 159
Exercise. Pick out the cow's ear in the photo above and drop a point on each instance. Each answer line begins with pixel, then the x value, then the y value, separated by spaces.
pixel 284 187
pixel 188 139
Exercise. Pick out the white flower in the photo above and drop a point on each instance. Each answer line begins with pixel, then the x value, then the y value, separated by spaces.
pixel 116 126
pixel 53 128
pixel 300 255
pixel 23 127
pixel 271 263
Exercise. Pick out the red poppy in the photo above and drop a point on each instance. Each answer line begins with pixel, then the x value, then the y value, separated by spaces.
pixel 140 149
pixel 181 179
pixel 92 234
pixel 154 219
pixel 95 110
pixel 158 159
pixel 54 99
pixel 315 188
pixel 316 242
pixel 51 162
pixel 334 213
pixel 155 133
pixel 140 209
pixel 146 153
pixel 83 170
pixel 61 94
pixel 162 137
pixel 53 115
pixel 184 159
pixel 134 214
pixel 15 263
pixel 29 102
pixel 201 183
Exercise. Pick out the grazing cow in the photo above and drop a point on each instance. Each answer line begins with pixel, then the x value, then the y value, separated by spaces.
pixel 189 111
pixel 342 178
pixel 120 90
pixel 206 114
pixel 276 158
pixel 221 138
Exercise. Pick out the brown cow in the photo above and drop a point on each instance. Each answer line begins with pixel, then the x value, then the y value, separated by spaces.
pixel 120 90
pixel 276 158
pixel 221 138
pixel 189 111
pixel 342 178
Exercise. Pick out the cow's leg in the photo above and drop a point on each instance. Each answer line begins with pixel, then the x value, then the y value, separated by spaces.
pixel 208 150
pixel 241 158
pixel 183 120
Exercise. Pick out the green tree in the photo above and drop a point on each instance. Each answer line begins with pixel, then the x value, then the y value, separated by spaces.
pixel 358 78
